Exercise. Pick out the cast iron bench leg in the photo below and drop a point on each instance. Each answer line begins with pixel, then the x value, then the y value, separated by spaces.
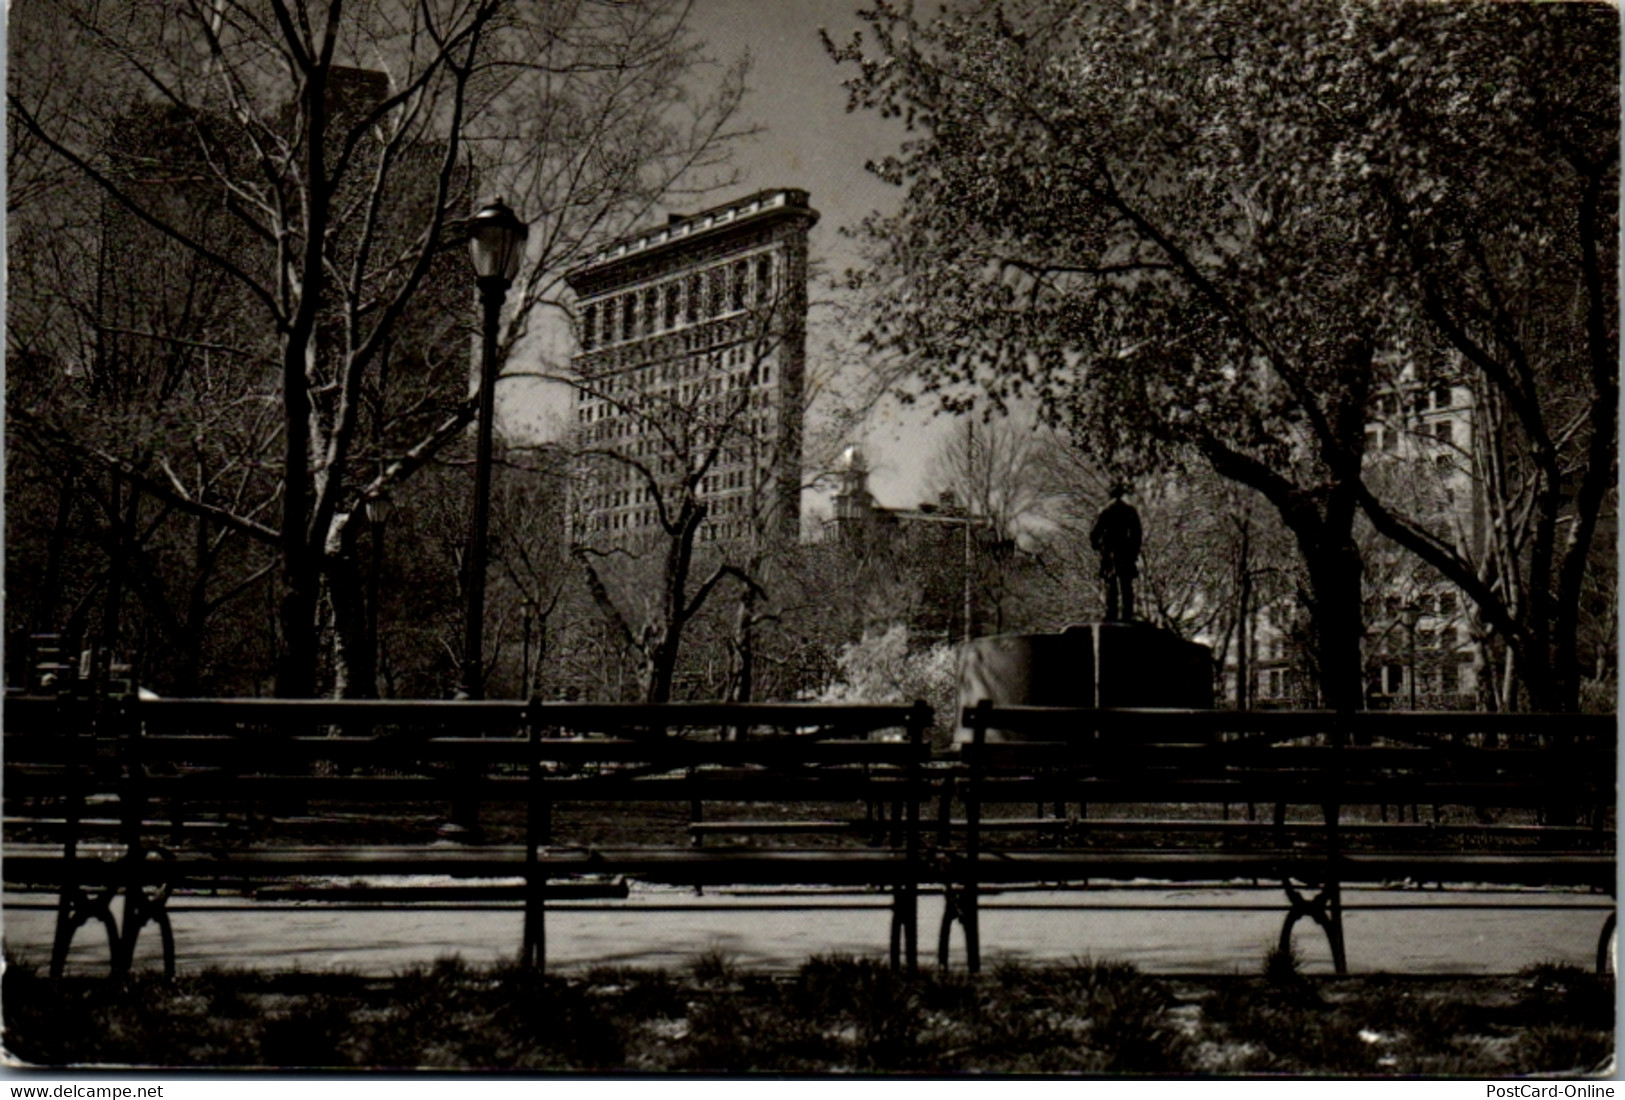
pixel 897 929
pixel 68 920
pixel 166 933
pixel 960 905
pixel 973 934
pixel 76 908
pixel 1326 910
pixel 905 928
pixel 534 950
pixel 911 930
pixel 1602 943
pixel 952 910
pixel 134 918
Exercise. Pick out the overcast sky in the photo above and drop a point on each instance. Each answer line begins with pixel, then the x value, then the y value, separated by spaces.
pixel 809 140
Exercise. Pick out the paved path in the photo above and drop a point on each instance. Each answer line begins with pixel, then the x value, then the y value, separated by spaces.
pixel 669 928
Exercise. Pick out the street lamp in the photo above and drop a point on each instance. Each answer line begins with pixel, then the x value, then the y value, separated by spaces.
pixel 1411 614
pixel 496 242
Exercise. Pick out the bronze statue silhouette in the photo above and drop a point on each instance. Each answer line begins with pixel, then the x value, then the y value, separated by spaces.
pixel 1116 538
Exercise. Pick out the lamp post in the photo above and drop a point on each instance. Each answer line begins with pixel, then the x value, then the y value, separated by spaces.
pixel 1411 614
pixel 496 242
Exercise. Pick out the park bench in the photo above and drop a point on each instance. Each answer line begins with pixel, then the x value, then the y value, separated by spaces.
pixel 139 800
pixel 1175 797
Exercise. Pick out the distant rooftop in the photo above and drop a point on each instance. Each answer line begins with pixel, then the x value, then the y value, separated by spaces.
pixel 683 227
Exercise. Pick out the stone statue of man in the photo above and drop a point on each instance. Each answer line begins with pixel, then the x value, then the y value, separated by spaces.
pixel 1116 538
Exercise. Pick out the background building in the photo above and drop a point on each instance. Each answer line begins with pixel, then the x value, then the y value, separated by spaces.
pixel 1421 445
pixel 689 373
pixel 1421 448
pixel 941 569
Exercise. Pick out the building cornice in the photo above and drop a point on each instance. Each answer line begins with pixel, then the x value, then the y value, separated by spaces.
pixel 751 212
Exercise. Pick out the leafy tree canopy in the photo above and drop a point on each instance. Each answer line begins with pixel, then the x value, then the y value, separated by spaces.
pixel 1228 231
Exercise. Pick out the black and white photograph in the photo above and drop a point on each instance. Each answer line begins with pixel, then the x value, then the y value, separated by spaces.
pixel 688 540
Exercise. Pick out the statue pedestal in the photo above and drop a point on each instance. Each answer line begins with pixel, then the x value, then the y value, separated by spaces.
pixel 1111 664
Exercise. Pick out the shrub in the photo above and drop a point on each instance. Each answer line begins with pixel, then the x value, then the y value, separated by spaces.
pixel 884 668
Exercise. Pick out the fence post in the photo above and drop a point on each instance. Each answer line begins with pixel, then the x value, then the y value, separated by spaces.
pixel 73 904
pixel 961 904
pixel 1332 812
pixel 132 804
pixel 533 952
pixel 467 773
pixel 919 723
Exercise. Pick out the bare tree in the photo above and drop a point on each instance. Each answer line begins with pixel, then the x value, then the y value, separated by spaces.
pixel 343 189
pixel 992 468
pixel 671 444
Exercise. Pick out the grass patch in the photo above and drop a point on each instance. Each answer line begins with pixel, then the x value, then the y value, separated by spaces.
pixel 837 1014
pixel 1545 1020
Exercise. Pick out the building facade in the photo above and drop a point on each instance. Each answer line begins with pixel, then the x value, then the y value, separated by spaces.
pixel 1420 450
pixel 940 568
pixel 689 369
pixel 1421 453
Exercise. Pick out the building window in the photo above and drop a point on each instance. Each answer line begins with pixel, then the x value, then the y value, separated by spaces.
pixel 671 305
pixel 629 316
pixel 1447 603
pixel 764 280
pixel 651 310
pixel 737 291
pixel 716 292
pixel 691 308
pixel 1443 397
pixel 589 327
pixel 1444 431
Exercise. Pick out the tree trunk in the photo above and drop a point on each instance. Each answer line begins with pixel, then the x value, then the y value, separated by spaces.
pixel 354 672
pixel 659 669
pixel 1243 635
pixel 1322 524
pixel 744 641
pixel 297 646
pixel 743 653
pixel 117 548
pixel 1325 537
pixel 1339 624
